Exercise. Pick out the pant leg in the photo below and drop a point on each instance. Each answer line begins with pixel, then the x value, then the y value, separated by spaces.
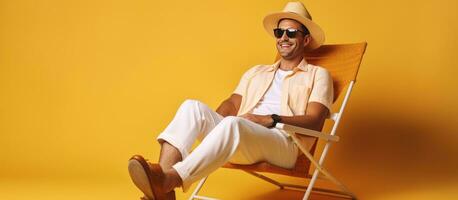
pixel 240 141
pixel 193 120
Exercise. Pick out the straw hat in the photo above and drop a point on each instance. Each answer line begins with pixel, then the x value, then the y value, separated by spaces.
pixel 298 12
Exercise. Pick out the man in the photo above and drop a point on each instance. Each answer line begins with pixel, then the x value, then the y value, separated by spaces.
pixel 242 130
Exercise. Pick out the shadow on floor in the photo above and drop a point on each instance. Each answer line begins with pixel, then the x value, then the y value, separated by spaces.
pixel 293 194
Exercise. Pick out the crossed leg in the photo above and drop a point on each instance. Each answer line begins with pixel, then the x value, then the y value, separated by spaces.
pixel 230 139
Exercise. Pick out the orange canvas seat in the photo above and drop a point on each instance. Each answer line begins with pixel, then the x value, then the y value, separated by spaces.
pixel 301 168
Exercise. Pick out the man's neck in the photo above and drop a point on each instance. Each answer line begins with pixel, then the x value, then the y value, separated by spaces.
pixel 290 64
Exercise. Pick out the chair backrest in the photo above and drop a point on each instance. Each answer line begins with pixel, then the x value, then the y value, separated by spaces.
pixel 341 60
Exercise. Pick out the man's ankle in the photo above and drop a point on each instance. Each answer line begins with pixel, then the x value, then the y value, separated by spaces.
pixel 165 167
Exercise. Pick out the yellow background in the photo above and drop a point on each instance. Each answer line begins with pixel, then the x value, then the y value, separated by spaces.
pixel 86 84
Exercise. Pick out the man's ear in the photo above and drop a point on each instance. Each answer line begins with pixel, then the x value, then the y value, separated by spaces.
pixel 307 40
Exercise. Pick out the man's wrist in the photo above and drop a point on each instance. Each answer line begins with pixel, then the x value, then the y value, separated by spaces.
pixel 275 119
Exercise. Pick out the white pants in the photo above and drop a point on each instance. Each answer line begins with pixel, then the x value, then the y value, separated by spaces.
pixel 230 139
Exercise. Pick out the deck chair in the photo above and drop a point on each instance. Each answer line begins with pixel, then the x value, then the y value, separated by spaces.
pixel 342 61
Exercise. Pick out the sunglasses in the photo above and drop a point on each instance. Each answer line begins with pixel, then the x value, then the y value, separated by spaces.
pixel 290 32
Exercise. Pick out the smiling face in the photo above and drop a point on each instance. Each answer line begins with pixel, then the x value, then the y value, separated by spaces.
pixel 291 48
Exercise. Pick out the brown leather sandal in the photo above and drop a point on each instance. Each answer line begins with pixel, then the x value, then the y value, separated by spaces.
pixel 148 178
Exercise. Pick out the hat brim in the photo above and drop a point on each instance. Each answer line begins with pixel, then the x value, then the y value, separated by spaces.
pixel 317 34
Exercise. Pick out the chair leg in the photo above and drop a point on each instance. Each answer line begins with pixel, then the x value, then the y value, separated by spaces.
pixel 199 186
pixel 196 191
pixel 332 179
pixel 310 185
pixel 320 168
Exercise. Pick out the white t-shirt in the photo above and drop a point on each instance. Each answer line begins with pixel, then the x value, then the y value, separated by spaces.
pixel 270 102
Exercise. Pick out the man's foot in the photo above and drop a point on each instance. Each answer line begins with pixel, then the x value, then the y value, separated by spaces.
pixel 149 178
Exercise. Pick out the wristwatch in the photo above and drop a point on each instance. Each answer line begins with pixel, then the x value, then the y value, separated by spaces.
pixel 276 119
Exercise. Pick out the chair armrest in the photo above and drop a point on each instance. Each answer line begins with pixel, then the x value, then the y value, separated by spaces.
pixel 304 131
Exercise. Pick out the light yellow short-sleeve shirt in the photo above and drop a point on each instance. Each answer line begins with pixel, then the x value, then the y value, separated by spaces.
pixel 307 83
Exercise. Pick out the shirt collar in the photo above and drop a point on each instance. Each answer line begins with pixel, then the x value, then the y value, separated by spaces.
pixel 303 65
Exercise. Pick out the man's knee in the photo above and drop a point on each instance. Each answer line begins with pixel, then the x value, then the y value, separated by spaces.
pixel 190 104
pixel 195 106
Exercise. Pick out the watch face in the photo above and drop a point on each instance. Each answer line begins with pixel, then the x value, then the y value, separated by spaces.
pixel 276 118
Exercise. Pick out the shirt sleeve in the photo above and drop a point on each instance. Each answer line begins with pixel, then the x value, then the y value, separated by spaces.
pixel 242 86
pixel 323 90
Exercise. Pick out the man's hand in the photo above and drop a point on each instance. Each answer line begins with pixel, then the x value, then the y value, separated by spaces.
pixel 264 120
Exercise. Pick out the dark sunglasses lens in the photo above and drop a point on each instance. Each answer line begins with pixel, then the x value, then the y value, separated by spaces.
pixel 291 33
pixel 278 32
